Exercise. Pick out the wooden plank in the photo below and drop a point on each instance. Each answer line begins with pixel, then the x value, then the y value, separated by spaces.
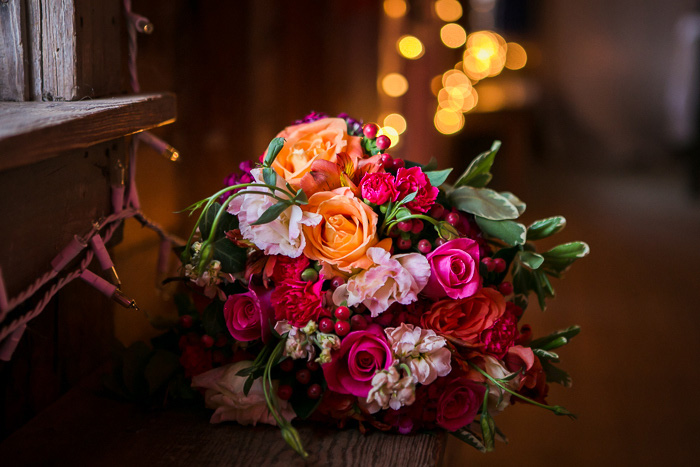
pixel 83 428
pixel 34 131
pixel 13 53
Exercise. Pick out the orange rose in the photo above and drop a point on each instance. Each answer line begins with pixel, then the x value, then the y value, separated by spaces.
pixel 348 229
pixel 465 319
pixel 309 142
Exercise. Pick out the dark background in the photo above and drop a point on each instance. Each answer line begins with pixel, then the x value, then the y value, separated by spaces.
pixel 593 144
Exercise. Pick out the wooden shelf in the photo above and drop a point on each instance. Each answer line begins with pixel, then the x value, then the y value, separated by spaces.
pixel 83 428
pixel 34 131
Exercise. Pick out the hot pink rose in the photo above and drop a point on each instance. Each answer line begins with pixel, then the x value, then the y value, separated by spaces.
pixel 352 367
pixel 247 315
pixel 378 188
pixel 297 301
pixel 454 270
pixel 459 403
pixel 413 180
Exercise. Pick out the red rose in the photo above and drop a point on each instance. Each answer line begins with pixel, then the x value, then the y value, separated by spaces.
pixel 467 318
pixel 248 315
pixel 297 301
pixel 459 403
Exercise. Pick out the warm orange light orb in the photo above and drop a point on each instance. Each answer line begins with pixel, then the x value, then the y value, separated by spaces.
pixel 453 35
pixel 448 121
pixel 516 57
pixel 395 8
pixel 410 47
pixel 395 121
pixel 448 10
pixel 394 84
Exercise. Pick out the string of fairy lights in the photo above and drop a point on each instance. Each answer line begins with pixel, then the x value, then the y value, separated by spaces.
pixel 465 87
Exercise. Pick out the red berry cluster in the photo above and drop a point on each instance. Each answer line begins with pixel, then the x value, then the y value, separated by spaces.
pixel 370 131
pixel 299 378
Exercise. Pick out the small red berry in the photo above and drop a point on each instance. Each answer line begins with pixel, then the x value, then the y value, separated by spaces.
pixel 405 226
pixel 404 243
pixel 312 365
pixel 207 341
pixel 393 232
pixel 358 322
pixel 186 321
pixel 326 325
pixel 303 376
pixel 382 142
pixel 314 391
pixel 499 265
pixel 387 161
pixel 452 218
pixel 336 282
pixel 287 364
pixel 397 163
pixel 417 226
pixel 370 130
pixel 506 288
pixel 342 328
pixel 440 241
pixel 488 262
pixel 342 313
pixel 424 246
pixel 284 392
pixel 437 211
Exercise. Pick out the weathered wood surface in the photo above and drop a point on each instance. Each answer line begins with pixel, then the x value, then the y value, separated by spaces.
pixel 13 52
pixel 33 131
pixel 83 428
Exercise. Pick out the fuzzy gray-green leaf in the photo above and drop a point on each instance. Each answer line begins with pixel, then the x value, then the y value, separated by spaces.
pixel 513 233
pixel 483 202
pixel 480 166
pixel 544 228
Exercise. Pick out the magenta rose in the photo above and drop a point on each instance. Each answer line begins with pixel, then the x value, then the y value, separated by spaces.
pixel 352 367
pixel 297 301
pixel 247 315
pixel 454 270
pixel 378 188
pixel 413 180
pixel 459 403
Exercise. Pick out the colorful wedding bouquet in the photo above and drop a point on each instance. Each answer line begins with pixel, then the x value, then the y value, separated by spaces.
pixel 335 282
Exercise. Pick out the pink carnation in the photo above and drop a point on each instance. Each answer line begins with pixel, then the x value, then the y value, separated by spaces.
pixel 500 337
pixel 378 188
pixel 286 268
pixel 413 180
pixel 297 301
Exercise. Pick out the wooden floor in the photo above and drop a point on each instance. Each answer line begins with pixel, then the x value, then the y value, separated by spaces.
pixel 636 297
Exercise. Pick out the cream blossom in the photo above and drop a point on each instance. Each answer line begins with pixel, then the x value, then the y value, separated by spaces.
pixel 389 390
pixel 390 279
pixel 224 393
pixel 298 344
pixel 498 398
pixel 282 236
pixel 422 350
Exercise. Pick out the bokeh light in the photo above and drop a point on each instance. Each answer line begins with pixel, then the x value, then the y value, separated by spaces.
pixel 410 47
pixel 485 55
pixel 436 85
pixel 448 121
pixel 395 121
pixel 394 84
pixel 395 8
pixel 391 133
pixel 448 10
pixel 453 35
pixel 516 57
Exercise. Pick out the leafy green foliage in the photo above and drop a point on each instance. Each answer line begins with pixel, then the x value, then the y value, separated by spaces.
pixel 515 201
pixel 273 149
pixel 470 438
pixel 438 177
pixel 370 146
pixel 556 339
pixel 556 375
pixel 270 176
pixel 483 202
pixel 531 259
pixel 512 233
pixel 227 222
pixel 488 427
pixel 544 228
pixel 232 258
pixel 558 259
pixel 478 174
pixel 272 213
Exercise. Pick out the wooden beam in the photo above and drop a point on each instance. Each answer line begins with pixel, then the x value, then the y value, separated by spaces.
pixel 34 131
pixel 13 53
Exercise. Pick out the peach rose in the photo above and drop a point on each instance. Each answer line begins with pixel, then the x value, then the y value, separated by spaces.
pixel 308 142
pixel 467 318
pixel 347 230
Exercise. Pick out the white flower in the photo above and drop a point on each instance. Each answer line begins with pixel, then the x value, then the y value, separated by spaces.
pixel 210 279
pixel 422 350
pixel 389 390
pixel 499 399
pixel 282 236
pixel 298 344
pixel 224 392
pixel 327 343
pixel 391 279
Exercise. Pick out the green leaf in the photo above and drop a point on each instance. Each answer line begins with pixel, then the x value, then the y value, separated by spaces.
pixel 470 438
pixel 226 223
pixel 487 424
pixel 369 146
pixel 402 213
pixel 545 354
pixel 515 201
pixel 273 149
pixel 556 375
pixel 431 165
pixel 232 258
pixel 544 228
pixel 513 233
pixel 272 213
pixel 161 367
pixel 547 341
pixel 248 384
pixel 438 177
pixel 483 202
pixel 559 258
pixel 530 259
pixel 213 318
pixel 300 197
pixel 478 173
pixel 446 230
pixel 408 198
pixel 270 176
